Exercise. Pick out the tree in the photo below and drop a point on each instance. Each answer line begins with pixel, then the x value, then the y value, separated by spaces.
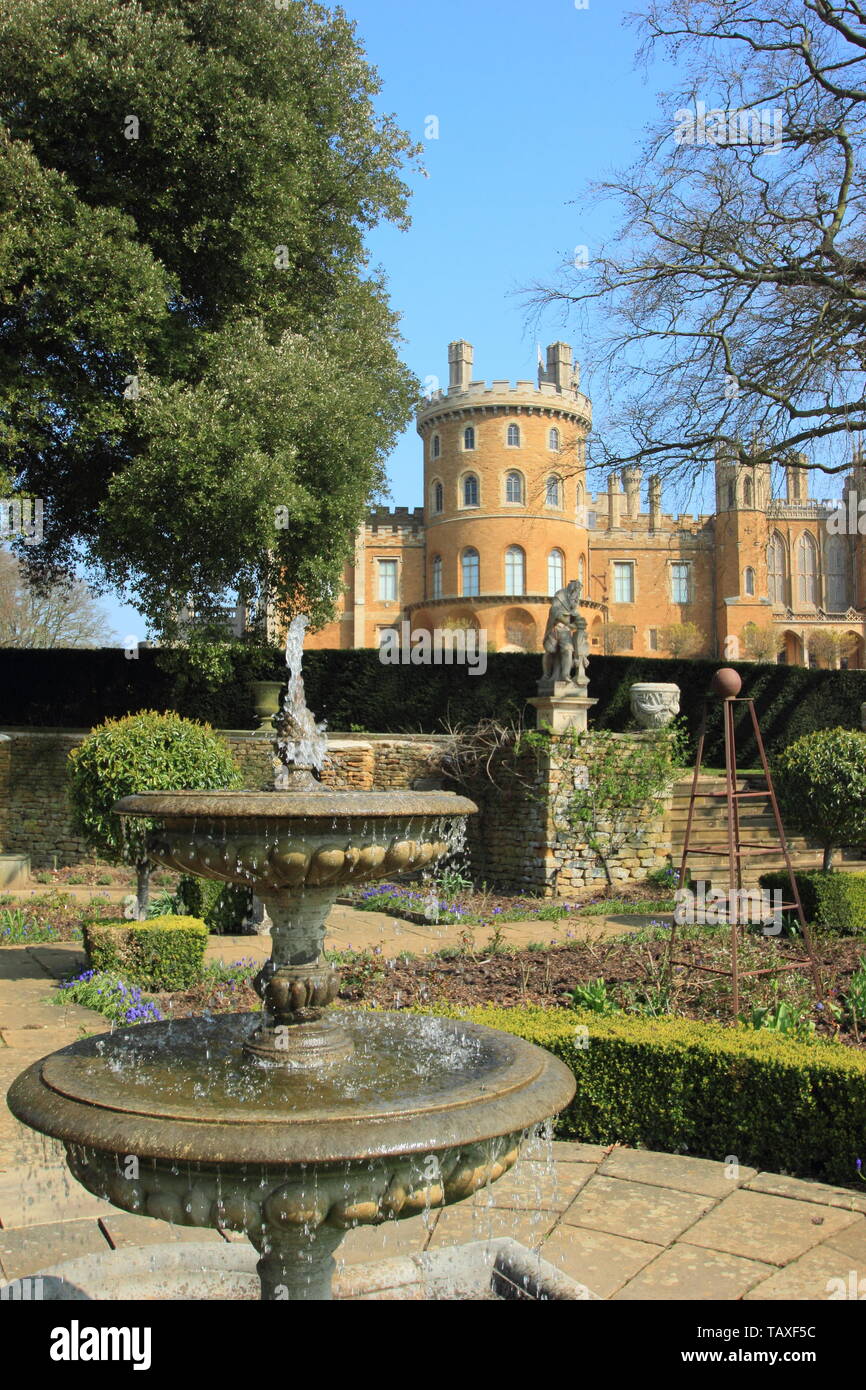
pixel 731 305
pixel 62 614
pixel 824 647
pixel 820 781
pixel 616 637
pixel 683 639
pixel 761 643
pixel 199 373
pixel 145 752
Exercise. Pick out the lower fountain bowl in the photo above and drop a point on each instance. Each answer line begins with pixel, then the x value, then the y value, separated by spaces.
pixel 169 1120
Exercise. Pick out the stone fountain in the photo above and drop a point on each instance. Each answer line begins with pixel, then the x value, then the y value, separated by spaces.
pixel 298 1124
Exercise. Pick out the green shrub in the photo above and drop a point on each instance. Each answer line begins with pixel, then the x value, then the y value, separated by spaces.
pixel 223 907
pixel 164 953
pixel 144 752
pixel 682 1086
pixel 835 900
pixel 820 781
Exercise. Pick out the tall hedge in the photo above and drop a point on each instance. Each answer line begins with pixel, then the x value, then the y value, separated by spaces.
pixel 78 689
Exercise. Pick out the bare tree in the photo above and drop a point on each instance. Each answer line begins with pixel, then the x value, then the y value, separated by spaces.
pixel 825 647
pixel 761 643
pixel 62 614
pixel 730 309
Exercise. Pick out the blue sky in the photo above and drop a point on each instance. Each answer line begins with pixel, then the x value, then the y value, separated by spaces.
pixel 533 101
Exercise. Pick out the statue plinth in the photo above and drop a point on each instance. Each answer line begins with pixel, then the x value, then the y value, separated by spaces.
pixel 561 705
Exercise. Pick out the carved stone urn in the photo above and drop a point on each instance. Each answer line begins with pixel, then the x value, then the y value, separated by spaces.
pixel 654 704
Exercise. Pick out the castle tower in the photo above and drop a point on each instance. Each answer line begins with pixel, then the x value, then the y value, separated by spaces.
pixel 743 494
pixel 505 497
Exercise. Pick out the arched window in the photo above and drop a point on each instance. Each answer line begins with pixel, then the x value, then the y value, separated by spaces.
pixel 836 574
pixel 776 569
pixel 438 497
pixel 514 436
pixel 555 571
pixel 469 566
pixel 553 492
pixel 437 576
pixel 515 570
pixel 581 570
pixel 747 493
pixel 513 487
pixel 749 580
pixel 437 446
pixel 469 437
pixel 553 441
pixel 732 494
pixel 470 490
pixel 807 567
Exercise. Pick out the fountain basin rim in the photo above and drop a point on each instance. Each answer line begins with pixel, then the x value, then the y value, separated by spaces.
pixel 273 805
pixel 531 1087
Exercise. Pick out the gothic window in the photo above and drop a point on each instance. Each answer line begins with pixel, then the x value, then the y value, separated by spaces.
pixel 747 493
pixel 581 570
pixel 513 487
pixel 553 492
pixel 470 490
pixel 749 580
pixel 437 446
pixel 555 571
pixel 807 567
pixel 469 437
pixel 515 571
pixel 514 436
pixel 469 566
pixel 438 497
pixel 776 569
pixel 732 494
pixel 680 587
pixel 836 571
pixel 553 441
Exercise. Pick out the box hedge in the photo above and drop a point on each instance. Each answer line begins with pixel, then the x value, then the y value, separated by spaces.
pixel 163 953
pixel 835 900
pixel 682 1086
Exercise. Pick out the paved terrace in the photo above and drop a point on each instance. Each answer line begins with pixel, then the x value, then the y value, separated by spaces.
pixel 628 1224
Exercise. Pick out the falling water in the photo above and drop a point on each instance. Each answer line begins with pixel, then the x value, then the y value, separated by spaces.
pixel 308 747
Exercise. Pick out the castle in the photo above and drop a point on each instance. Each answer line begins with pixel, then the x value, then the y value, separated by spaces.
pixel 508 520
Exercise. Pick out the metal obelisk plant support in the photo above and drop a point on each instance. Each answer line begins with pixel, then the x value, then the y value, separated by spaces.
pixel 726 686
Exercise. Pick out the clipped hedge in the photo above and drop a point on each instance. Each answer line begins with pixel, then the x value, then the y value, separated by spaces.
pixel 162 953
pixel 682 1086
pixel 223 907
pixel 835 900
pixel 79 688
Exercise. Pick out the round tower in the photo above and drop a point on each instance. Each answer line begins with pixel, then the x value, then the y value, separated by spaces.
pixel 504 497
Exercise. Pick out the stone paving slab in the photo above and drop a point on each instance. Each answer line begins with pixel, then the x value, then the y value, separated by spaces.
pixel 775 1230
pixel 34 1197
pixel 699 1175
pixel 687 1272
pixel 601 1261
pixel 777 1185
pixel 637 1210
pixel 816 1275
pixel 530 1187
pixel 29 1249
pixel 460 1224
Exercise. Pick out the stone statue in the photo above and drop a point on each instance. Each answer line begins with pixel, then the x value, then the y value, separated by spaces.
pixel 566 645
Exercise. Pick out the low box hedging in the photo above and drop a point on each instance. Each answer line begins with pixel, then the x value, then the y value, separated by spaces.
pixel 163 953
pixel 682 1086
pixel 835 899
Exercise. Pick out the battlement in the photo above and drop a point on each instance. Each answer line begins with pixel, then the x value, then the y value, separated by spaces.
pixel 395 519
pixel 506 393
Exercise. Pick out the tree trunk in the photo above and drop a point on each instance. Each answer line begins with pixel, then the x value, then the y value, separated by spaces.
pixel 142 872
pixel 828 858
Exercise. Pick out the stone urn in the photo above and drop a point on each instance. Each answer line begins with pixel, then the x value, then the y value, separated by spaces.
pixel 266 699
pixel 654 703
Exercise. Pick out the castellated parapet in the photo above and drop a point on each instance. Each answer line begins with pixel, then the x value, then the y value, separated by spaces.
pixel 556 392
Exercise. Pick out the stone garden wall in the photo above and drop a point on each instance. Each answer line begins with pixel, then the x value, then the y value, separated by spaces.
pixel 34 815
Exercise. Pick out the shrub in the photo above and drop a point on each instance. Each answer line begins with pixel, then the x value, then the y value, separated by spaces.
pixel 820 780
pixel 835 900
pixel 223 907
pixel 682 1086
pixel 164 953
pixel 142 753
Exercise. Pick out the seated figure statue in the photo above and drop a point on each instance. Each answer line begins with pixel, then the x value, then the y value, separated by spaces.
pixel 566 646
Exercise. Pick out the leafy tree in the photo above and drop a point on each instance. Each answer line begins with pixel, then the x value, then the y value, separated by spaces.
pixel 199 372
pixel 144 752
pixel 821 783
pixel 729 309
pixel 62 614
pixel 824 647
pixel 683 640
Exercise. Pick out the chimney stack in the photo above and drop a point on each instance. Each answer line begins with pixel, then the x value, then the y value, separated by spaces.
pixel 461 356
pixel 560 366
pixel 614 499
pixel 655 502
pixel 631 477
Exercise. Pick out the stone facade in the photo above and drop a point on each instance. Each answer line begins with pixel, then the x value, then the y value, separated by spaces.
pixel 507 518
